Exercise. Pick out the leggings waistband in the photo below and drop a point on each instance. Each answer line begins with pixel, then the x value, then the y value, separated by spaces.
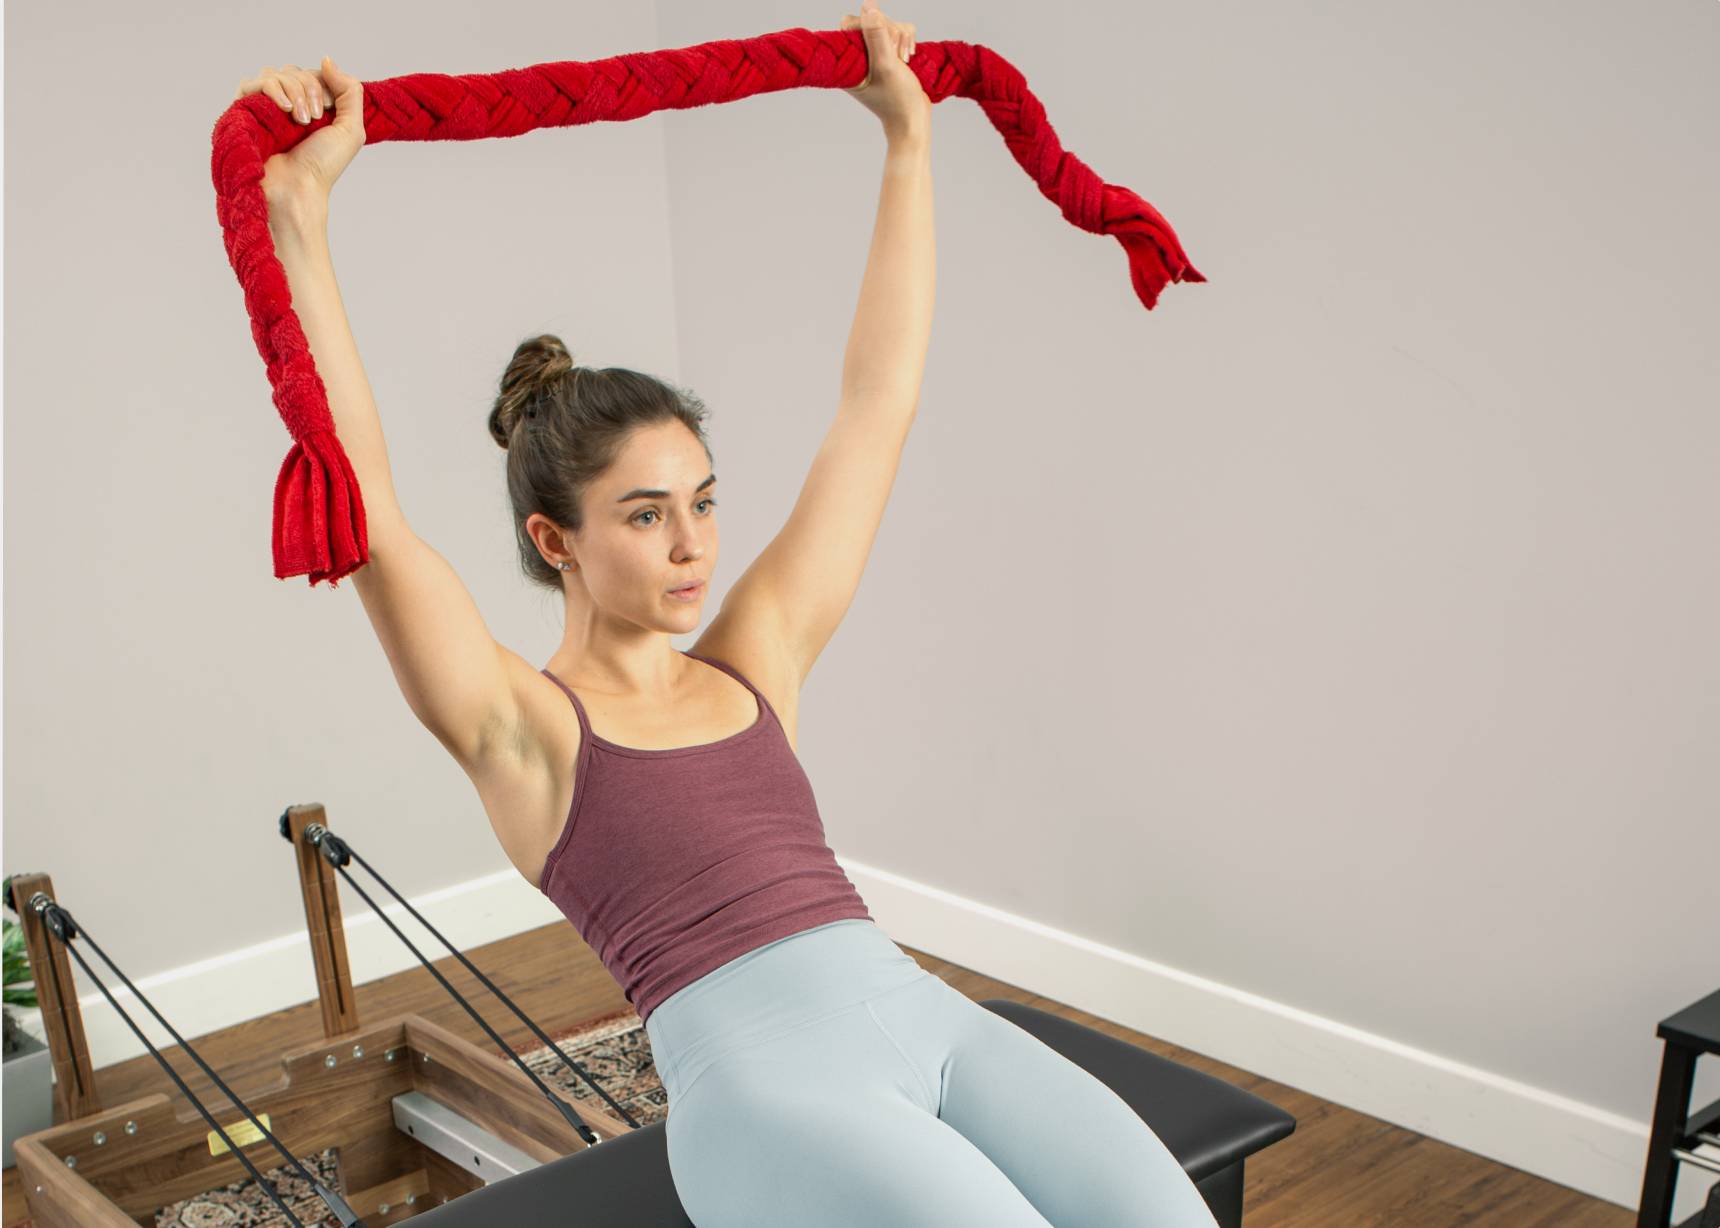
pixel 773 989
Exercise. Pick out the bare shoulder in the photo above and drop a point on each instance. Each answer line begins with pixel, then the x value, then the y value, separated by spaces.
pixel 754 645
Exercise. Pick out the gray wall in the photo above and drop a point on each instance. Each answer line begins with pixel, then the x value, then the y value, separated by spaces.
pixel 1339 633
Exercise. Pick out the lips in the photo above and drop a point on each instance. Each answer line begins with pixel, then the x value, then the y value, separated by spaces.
pixel 687 587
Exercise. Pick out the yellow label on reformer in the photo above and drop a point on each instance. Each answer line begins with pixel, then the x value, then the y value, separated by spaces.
pixel 242 1133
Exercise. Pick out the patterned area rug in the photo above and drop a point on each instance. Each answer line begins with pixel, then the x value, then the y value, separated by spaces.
pixel 244 1204
pixel 616 1052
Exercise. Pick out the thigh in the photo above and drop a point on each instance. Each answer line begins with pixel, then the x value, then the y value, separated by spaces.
pixel 1075 1148
pixel 826 1127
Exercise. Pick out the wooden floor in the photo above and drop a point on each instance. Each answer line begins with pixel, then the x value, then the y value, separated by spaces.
pixel 1340 1169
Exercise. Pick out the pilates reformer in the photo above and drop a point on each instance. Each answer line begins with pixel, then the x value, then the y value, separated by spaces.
pixel 428 1125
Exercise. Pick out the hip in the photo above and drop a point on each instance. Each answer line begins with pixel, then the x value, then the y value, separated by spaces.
pixel 773 990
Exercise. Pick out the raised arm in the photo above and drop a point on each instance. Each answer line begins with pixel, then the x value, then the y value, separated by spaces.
pixel 300 230
pixel 456 679
pixel 802 583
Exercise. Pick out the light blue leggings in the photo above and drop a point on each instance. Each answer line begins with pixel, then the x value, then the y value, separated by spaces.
pixel 826 1079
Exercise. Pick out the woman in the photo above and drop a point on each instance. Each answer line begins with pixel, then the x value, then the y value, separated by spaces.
pixel 815 1073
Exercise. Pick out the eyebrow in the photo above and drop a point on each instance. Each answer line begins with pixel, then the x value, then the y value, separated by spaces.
pixel 662 494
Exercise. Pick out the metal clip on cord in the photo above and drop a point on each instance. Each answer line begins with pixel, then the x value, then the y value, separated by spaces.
pixel 337 853
pixel 58 922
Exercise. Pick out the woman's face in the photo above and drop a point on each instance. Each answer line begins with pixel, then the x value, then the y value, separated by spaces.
pixel 650 525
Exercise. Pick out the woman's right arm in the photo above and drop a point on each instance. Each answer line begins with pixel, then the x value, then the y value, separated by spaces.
pixel 464 686
pixel 300 230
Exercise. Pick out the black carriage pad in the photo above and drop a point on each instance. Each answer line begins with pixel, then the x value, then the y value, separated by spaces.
pixel 1209 1125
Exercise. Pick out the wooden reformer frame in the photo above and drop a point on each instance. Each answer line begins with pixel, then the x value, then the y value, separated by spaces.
pixel 112 1167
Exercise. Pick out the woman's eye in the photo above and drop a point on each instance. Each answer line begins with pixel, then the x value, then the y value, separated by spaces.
pixel 651 511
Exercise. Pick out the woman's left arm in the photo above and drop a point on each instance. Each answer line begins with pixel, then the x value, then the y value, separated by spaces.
pixel 789 601
pixel 886 354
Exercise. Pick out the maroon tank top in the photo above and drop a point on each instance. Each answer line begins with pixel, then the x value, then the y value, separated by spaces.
pixel 673 862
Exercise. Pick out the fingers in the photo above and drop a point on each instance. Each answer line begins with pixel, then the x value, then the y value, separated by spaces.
pixel 905 33
pixel 310 95
pixel 291 80
pixel 269 86
pixel 299 90
pixel 266 82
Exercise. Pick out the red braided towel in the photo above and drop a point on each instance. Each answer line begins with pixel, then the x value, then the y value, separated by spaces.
pixel 319 527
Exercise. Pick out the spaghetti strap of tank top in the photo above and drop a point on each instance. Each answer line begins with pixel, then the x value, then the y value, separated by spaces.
pixel 585 722
pixel 731 671
pixel 578 708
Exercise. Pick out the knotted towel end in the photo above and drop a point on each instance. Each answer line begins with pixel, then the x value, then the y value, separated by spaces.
pixel 319 527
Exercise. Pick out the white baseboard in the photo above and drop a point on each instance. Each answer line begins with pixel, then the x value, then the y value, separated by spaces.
pixel 1562 1140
